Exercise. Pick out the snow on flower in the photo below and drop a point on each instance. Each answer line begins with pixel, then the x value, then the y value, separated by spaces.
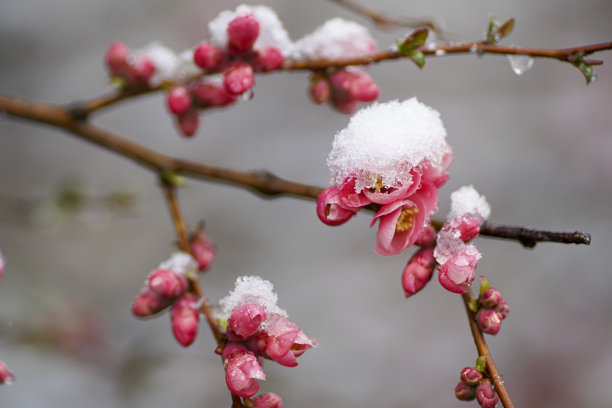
pixel 467 201
pixel 336 38
pixel 271 30
pixel 164 60
pixel 180 263
pixel 250 290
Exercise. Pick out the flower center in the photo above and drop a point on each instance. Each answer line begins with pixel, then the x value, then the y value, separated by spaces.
pixel 406 219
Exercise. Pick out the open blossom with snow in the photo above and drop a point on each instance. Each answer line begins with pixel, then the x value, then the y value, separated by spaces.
pixel 257 328
pixel 394 157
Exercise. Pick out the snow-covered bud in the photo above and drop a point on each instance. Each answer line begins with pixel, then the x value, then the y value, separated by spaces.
pixel 418 271
pixel 468 227
pixel 329 209
pixel 238 78
pixel 427 237
pixel 489 321
pixel 185 317
pixel 320 90
pixel 207 56
pixel 141 71
pixel 471 376
pixel 490 298
pixel 116 58
pixel 240 374
pixel 457 274
pixel 244 321
pixel 242 33
pixel 203 249
pixel 178 100
pixel 7 377
pixel 285 341
pixel 167 283
pixel 503 308
pixel 188 122
pixel 148 303
pixel 486 396
pixel 208 94
pixel 465 392
pixel 268 400
pixel 267 59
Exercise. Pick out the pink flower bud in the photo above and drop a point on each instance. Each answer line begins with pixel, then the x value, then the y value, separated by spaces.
pixel 503 308
pixel 486 396
pixel 457 274
pixel 178 100
pixel 207 94
pixel 355 84
pixel 427 237
pixel 167 283
pixel 329 209
pixel 471 376
pixel 238 78
pixel 207 56
pixel 148 303
pixel 188 122
pixel 6 376
pixel 418 271
pixel 489 321
pixel 469 227
pixel 233 350
pixel 141 71
pixel 490 298
pixel 285 341
pixel 320 90
pixel 242 33
pixel 185 317
pixel 241 373
pixel 344 104
pixel 116 58
pixel 268 400
pixel 203 249
pixel 268 59
pixel 244 321
pixel 465 392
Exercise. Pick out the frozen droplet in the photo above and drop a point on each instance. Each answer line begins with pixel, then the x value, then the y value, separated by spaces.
pixel 439 53
pixel 520 63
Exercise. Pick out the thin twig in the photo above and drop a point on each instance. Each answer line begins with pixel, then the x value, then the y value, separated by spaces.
pixel 483 350
pixel 263 183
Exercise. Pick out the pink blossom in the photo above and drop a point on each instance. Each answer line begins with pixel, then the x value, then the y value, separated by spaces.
pixel 320 90
pixel 490 298
pixel 471 376
pixel 467 226
pixel 185 318
pixel 458 273
pixel 241 371
pixel 464 392
pixel 284 341
pixel 167 283
pixel 402 221
pixel 148 303
pixel 268 400
pixel 178 100
pixel 418 271
pixel 141 71
pixel 244 321
pixel 116 58
pixel 503 308
pixel 6 376
pixel 489 321
pixel 437 174
pixel 427 237
pixel 486 396
pixel 203 249
pixel 385 195
pixel 207 56
pixel 267 59
pixel 208 94
pixel 238 78
pixel 329 208
pixel 349 197
pixel 242 33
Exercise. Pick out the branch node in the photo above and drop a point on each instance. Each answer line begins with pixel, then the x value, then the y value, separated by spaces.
pixel 77 111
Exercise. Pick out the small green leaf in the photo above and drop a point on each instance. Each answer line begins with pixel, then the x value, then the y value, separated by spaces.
pixel 494 25
pixel 587 71
pixel 504 30
pixel 474 305
pixel 481 363
pixel 172 178
pixel 484 284
pixel 416 39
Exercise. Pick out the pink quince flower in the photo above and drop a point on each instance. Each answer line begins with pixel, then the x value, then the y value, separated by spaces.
pixel 242 32
pixel 386 195
pixel 403 221
pixel 203 249
pixel 282 341
pixel 418 271
pixel 268 400
pixel 244 321
pixel 330 210
pixel 458 272
pixel 185 319
pixel 241 370
pixel 167 283
pixel 148 303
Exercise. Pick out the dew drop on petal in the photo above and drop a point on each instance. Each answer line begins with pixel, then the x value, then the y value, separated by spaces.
pixel 520 63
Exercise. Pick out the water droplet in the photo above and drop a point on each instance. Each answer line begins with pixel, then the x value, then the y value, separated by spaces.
pixel 439 53
pixel 474 48
pixel 520 63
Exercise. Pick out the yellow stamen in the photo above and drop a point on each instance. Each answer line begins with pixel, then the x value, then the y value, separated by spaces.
pixel 406 219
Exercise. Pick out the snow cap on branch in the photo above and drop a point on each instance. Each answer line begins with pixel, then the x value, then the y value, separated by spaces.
pixel 271 30
pixel 467 201
pixel 386 140
pixel 180 263
pixel 250 290
pixel 164 60
pixel 337 38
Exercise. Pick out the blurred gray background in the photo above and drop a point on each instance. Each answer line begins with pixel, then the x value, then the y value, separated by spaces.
pixel 538 146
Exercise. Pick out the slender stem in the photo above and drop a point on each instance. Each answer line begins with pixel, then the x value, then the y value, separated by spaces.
pixel 261 182
pixel 483 350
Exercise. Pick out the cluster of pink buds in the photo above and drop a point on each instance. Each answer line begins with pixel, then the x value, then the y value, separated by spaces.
pixel 167 287
pixel 257 329
pixel 492 308
pixel 343 88
pixel 121 63
pixel 474 385
pixel 392 158
pixel 456 258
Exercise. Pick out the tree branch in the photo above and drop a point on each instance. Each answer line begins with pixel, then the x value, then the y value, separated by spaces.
pixel 262 183
pixel 483 350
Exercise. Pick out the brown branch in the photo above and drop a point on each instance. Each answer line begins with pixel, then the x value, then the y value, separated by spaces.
pixel 483 350
pixel 261 182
